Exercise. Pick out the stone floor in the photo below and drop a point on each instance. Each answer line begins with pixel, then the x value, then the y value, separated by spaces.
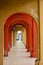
pixel 18 56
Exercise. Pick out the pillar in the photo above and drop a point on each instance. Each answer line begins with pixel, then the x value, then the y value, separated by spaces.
pixel 6 41
pixel 41 32
pixel 35 40
pixel 29 39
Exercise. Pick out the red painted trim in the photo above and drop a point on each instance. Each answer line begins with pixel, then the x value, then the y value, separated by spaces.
pixel 35 40
pixel 25 20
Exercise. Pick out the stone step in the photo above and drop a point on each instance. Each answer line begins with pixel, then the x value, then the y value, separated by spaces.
pixel 20 53
pixel 18 49
pixel 19 61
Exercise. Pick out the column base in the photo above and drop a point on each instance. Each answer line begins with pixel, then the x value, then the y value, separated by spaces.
pixel 34 54
pixel 41 62
pixel 37 62
pixel 5 53
pixel 9 49
pixel 27 50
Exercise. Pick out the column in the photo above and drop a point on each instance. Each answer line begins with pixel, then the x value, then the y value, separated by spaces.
pixel 41 32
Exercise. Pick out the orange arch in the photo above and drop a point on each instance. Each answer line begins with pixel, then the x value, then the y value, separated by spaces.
pixel 31 31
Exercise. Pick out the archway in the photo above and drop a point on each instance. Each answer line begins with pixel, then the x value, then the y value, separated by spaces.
pixel 18 34
pixel 31 32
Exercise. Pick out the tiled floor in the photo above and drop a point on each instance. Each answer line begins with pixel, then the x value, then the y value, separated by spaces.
pixel 19 56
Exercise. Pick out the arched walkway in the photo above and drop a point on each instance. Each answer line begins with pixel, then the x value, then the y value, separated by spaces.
pixel 31 32
pixel 18 33
pixel 19 56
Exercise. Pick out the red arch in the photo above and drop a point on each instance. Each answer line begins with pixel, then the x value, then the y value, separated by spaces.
pixel 31 28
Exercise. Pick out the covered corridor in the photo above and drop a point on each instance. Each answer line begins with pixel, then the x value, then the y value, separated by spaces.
pixel 20 40
pixel 26 13
pixel 18 55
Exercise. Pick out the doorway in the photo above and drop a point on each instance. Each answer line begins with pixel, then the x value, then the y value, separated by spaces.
pixel 19 36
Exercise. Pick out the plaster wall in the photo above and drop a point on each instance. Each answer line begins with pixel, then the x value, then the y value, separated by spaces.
pixel 9 7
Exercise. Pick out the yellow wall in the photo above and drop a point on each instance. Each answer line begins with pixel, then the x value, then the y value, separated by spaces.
pixel 9 7
pixel 24 36
pixel 14 37
pixel 41 32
